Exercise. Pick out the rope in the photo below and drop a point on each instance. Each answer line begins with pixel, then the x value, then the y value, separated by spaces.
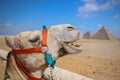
pixel 6 76
pixel 51 73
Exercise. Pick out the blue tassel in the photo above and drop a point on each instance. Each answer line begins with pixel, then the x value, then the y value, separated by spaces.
pixel 44 26
pixel 49 60
pixel 53 64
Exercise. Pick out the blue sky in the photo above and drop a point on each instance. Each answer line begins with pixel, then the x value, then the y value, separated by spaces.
pixel 24 15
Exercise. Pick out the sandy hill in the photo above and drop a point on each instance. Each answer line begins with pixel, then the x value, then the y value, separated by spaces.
pixel 104 34
pixel 87 35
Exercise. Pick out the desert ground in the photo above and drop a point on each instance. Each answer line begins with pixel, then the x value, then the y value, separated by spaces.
pixel 99 59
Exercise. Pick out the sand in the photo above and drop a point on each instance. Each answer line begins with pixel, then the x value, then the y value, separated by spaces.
pixel 101 49
pixel 100 59
pixel 96 68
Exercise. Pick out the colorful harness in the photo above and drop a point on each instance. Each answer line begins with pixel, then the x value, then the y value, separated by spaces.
pixel 48 57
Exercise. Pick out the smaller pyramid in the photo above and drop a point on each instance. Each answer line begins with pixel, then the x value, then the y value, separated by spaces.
pixel 87 35
pixel 104 34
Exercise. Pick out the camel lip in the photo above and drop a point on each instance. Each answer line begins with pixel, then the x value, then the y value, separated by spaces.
pixel 71 41
pixel 75 43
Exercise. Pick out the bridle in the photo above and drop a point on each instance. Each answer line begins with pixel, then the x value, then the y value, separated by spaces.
pixel 29 51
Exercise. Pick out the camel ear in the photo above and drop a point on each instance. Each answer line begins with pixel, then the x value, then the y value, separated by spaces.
pixel 35 36
pixel 9 41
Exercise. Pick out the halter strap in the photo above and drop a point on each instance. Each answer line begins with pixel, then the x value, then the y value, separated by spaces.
pixel 44 37
pixel 29 51
pixel 30 76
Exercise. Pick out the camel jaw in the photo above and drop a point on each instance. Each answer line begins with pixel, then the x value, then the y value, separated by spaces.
pixel 72 47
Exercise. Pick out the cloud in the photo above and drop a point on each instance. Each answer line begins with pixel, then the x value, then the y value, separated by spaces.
pixel 113 2
pixel 86 15
pixel 99 26
pixel 11 29
pixel 116 16
pixel 88 0
pixel 89 7
pixel 80 27
pixel 92 6
pixel 8 24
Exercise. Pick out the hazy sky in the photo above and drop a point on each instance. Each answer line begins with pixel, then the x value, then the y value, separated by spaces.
pixel 23 15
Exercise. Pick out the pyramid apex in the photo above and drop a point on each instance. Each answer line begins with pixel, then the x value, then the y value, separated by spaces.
pixel 88 32
pixel 104 34
pixel 103 27
pixel 87 35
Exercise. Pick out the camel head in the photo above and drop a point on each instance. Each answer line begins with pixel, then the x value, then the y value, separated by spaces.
pixel 68 36
pixel 61 38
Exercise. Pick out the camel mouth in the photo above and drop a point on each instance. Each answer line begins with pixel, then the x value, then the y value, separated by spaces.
pixel 70 47
pixel 73 47
pixel 75 44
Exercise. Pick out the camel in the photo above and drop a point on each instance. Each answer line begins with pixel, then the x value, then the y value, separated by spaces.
pixel 60 39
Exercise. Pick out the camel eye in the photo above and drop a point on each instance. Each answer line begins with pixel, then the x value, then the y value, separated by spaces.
pixel 34 40
pixel 70 28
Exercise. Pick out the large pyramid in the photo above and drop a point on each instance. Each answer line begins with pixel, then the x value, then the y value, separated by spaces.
pixel 104 34
pixel 87 35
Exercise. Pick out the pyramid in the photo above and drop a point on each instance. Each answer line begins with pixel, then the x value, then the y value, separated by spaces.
pixel 87 35
pixel 104 34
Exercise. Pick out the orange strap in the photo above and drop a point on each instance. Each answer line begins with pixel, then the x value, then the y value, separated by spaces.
pixel 29 51
pixel 44 37
pixel 31 77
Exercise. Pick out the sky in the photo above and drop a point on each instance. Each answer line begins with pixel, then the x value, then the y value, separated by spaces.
pixel 86 15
